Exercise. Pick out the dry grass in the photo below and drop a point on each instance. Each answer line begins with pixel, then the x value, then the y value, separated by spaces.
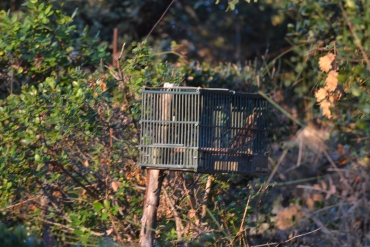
pixel 320 187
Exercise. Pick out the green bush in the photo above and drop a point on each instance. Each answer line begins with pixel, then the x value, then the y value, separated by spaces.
pixel 17 238
pixel 69 127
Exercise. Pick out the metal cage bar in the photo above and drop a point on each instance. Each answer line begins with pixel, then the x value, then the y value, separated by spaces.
pixel 203 130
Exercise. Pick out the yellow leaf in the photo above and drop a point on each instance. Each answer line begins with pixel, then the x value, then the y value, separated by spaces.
pixel 325 107
pixel 325 62
pixel 321 94
pixel 331 81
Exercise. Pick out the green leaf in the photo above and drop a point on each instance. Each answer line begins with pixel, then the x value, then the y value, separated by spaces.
pixel 37 157
pixel 29 5
pixel 98 206
pixel 104 216
pixel 41 6
pixel 47 10
pixel 350 3
pixel 361 125
pixel 14 18
pixel 78 232
pixel 74 13
pixel 8 185
pixel 106 204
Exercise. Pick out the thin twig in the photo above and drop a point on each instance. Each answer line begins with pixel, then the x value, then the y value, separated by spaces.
pixel 315 189
pixel 22 202
pixel 187 192
pixel 67 227
pixel 119 238
pixel 241 230
pixel 260 245
pixel 335 53
pixel 160 19
pixel 301 235
pixel 69 174
pixel 357 39
pixel 325 230
pixel 365 189
pixel 299 160
pixel 266 185
pixel 122 49
pixel 332 163
pixel 277 244
pixel 179 226
pixel 245 213
pixel 121 75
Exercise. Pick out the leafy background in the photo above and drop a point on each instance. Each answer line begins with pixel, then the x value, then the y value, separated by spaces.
pixel 69 120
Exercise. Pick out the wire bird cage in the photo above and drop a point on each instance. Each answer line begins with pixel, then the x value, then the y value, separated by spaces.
pixel 203 130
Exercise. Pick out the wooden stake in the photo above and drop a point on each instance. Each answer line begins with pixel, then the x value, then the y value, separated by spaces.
pixel 154 181
pixel 151 203
pixel 115 45
pixel 206 196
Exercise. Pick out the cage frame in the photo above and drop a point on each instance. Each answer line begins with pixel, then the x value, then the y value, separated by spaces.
pixel 169 120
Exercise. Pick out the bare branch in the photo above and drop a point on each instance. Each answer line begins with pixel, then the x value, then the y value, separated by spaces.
pixel 120 55
pixel 160 19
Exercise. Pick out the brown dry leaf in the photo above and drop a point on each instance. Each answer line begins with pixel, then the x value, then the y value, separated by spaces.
pixel 340 148
pixel 317 187
pixel 115 185
pixel 342 161
pixel 103 86
pixel 325 62
pixel 317 197
pixel 332 98
pixel 331 81
pixel 309 202
pixel 57 194
pixel 325 106
pixel 109 231
pixel 324 186
pixel 332 190
pixel 191 213
pixel 92 83
pixel 320 94
pixel 286 217
pixel 32 207
pixel 86 163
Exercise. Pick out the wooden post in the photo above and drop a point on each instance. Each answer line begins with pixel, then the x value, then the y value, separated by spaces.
pixel 115 44
pixel 154 183
pixel 206 196
pixel 151 203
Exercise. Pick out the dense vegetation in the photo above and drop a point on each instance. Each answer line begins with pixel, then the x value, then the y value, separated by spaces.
pixel 69 120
